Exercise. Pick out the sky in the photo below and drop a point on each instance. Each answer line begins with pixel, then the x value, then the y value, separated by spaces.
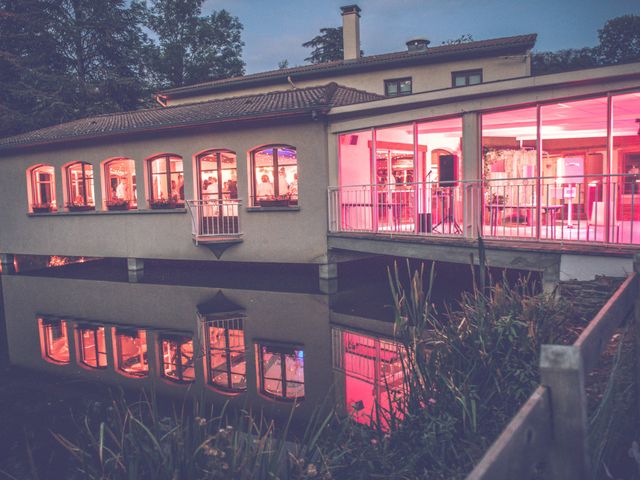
pixel 275 30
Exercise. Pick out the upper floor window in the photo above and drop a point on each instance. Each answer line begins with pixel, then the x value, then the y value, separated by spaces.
pixel 177 362
pixel 54 340
pixel 227 360
pixel 131 352
pixel 166 182
pixel 466 77
pixel 397 86
pixel 275 176
pixel 43 189
pixel 80 187
pixel 281 371
pixel 92 346
pixel 120 184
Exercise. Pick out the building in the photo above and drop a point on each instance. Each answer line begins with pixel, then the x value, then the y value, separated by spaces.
pixel 414 153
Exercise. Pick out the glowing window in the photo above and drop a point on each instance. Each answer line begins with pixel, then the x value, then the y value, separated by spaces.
pixel 54 340
pixel 131 352
pixel 120 184
pixel 281 371
pixel 166 182
pixel 177 358
pixel 43 189
pixel 92 346
pixel 275 176
pixel 80 186
pixel 227 360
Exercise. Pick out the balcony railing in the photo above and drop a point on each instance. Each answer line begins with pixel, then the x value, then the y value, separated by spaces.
pixel 214 219
pixel 594 209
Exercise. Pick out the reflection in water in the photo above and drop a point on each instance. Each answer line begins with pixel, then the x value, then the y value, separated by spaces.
pixel 177 358
pixel 281 371
pixel 131 351
pixel 54 341
pixel 373 374
pixel 92 344
pixel 226 353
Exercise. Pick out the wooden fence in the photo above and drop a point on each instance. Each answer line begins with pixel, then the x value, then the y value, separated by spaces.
pixel 547 438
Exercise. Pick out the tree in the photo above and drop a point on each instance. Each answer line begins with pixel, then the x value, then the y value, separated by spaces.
pixel 193 48
pixel 563 60
pixel 620 40
pixel 327 46
pixel 282 64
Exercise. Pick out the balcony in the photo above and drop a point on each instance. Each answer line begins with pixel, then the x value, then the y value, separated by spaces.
pixel 599 209
pixel 215 221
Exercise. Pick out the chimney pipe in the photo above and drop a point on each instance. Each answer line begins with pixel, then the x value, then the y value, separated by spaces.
pixel 351 31
pixel 417 44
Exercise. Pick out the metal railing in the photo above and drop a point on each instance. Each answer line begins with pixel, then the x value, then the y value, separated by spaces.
pixel 594 208
pixel 214 218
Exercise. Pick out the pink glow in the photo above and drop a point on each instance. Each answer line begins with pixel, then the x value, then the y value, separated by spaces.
pixel 177 359
pixel 92 346
pixel 227 357
pixel 54 342
pixel 131 352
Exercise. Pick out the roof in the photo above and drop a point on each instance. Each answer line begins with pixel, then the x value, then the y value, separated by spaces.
pixel 283 103
pixel 442 53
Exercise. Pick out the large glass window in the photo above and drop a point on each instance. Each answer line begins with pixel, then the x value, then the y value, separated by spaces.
pixel 43 189
pixel 177 358
pixel 281 371
pixel 53 340
pixel 275 176
pixel 92 346
pixel 218 175
pixel 80 187
pixel 227 359
pixel 131 351
pixel 120 184
pixel 166 182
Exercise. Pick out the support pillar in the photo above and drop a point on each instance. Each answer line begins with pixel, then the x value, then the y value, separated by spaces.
pixel 471 189
pixel 141 174
pixel 328 277
pixel 551 278
pixel 6 260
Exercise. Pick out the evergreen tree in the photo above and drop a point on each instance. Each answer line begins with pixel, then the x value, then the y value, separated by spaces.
pixel 327 46
pixel 620 40
pixel 194 48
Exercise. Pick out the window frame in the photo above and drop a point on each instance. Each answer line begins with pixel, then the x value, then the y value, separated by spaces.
pixel 169 203
pixel 45 323
pixel 118 333
pixel 34 184
pixel 255 203
pixel 226 324
pixel 397 82
pixel 84 205
pixel 80 329
pixel 132 201
pixel 261 346
pixel 180 340
pixel 466 74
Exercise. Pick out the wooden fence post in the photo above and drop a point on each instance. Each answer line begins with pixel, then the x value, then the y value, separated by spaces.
pixel 562 371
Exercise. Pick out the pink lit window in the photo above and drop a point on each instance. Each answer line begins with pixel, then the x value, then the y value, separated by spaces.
pixel 131 352
pixel 43 189
pixel 227 360
pixel 166 182
pixel 92 346
pixel 281 372
pixel 177 358
pixel 80 186
pixel 120 184
pixel 54 340
pixel 275 176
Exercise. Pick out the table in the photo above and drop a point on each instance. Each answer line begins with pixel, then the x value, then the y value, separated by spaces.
pixel 550 213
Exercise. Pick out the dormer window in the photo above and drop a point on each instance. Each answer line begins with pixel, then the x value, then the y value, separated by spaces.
pixel 466 77
pixel 397 86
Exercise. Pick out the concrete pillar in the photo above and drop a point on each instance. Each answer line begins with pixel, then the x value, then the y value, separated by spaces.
pixel 328 286
pixel 551 278
pixel 141 177
pixel 471 170
pixel 60 174
pixel 6 260
pixel 135 264
pixel 328 276
pixel 98 182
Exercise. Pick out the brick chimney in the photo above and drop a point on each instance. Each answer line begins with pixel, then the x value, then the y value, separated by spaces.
pixel 351 31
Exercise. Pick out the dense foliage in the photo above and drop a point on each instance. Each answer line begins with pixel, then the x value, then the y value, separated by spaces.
pixel 326 47
pixel 66 59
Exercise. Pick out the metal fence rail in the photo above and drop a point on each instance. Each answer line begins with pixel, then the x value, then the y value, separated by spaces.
pixel 214 218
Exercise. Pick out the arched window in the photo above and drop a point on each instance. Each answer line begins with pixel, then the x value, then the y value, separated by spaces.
pixel 53 340
pixel 131 352
pixel 281 371
pixel 166 181
pixel 43 189
pixel 227 359
pixel 120 184
pixel 177 362
pixel 217 174
pixel 274 175
pixel 92 346
pixel 80 187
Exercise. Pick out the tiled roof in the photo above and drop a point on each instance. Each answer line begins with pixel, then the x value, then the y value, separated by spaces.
pixel 519 43
pixel 272 104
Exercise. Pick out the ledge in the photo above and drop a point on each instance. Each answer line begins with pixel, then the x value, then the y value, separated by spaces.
pixel 110 212
pixel 273 209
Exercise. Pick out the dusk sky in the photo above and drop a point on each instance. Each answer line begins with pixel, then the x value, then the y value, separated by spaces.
pixel 275 30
